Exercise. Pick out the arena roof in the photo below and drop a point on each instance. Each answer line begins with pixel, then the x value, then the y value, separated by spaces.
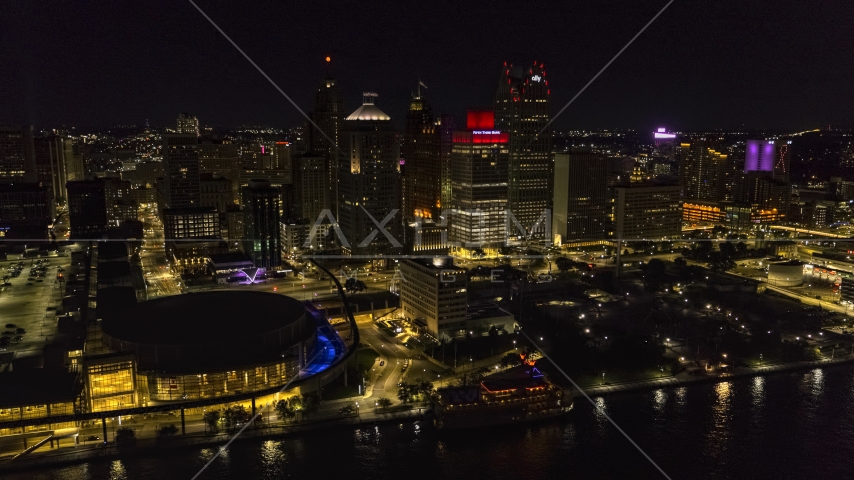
pixel 203 318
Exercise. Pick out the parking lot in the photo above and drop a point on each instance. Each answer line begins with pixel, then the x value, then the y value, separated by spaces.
pixel 29 302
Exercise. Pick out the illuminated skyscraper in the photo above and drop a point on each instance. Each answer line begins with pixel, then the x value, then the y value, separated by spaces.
pixel 369 180
pixel 479 165
pixel 445 127
pixel 17 155
pixel 522 110
pixel 188 124
pixel 702 171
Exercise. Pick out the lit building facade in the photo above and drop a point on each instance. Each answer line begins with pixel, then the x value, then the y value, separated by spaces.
pixel 369 181
pixel 433 296
pixel 17 154
pixel 479 172
pixel 647 212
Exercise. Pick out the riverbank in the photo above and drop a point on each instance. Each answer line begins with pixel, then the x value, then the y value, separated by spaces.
pixel 79 454
pixel 684 379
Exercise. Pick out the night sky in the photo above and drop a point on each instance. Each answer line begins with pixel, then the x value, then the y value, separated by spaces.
pixel 702 64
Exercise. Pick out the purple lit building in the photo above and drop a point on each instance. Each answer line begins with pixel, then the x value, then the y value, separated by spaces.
pixel 759 156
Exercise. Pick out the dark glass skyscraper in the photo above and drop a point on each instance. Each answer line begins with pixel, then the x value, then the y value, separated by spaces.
pixel 522 110
pixel 181 165
pixel 328 114
pixel 261 223
pixel 420 150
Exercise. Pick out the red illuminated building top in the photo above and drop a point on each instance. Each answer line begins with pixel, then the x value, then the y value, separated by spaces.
pixel 481 129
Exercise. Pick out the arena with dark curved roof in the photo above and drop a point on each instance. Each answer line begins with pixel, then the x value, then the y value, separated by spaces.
pixel 203 331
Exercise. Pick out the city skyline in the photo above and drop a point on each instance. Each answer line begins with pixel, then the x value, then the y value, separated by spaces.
pixel 721 66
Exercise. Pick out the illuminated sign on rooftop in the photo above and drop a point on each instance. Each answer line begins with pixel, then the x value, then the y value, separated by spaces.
pixel 661 134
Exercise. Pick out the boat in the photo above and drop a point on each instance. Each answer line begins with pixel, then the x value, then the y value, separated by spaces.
pixel 517 395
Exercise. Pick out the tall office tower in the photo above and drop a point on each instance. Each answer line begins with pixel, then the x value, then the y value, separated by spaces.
pixel 522 110
pixel 479 165
pixel 647 212
pixel 764 183
pixel 87 208
pixel 221 159
pixel 17 155
pixel 261 223
pixel 369 180
pixel 445 130
pixel 702 171
pixel 420 150
pixel 581 203
pixel 309 187
pixel 328 115
pixel 282 156
pixel 181 166
pixel 188 124
pixel 51 162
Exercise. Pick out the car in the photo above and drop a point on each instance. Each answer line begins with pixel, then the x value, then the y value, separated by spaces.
pixel 5 341
pixel 40 280
pixel 7 333
pixel 21 330
pixel 92 438
pixel 10 325
pixel 17 339
pixel 31 279
pixel 382 362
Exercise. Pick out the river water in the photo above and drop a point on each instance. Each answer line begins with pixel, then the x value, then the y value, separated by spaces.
pixel 788 425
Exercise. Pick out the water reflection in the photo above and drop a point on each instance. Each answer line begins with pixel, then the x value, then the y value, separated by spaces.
pixel 273 459
pixel 659 400
pixel 719 436
pixel 118 471
pixel 757 392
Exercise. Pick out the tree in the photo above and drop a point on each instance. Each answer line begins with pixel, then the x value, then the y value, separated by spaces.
pixel 310 404
pixel 284 410
pixel 654 274
pixel 349 409
pixel 166 432
pixel 211 419
pixel 425 389
pixel 511 360
pixel 353 285
pixel 405 392
pixel 235 416
pixel 125 437
pixel 563 264
pixel 384 403
pixel 741 247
